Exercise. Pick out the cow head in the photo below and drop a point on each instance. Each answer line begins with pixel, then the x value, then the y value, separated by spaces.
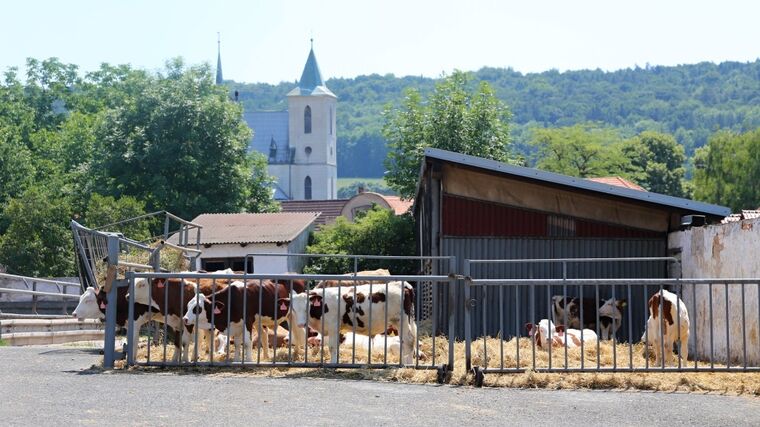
pixel 142 292
pixel 89 306
pixel 199 311
pixel 613 309
pixel 304 306
pixel 543 332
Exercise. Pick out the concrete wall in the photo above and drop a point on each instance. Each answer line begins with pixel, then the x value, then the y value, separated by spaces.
pixel 722 251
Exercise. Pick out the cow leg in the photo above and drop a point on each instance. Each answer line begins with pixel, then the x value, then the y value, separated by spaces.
pixel 248 343
pixel 408 337
pixel 238 345
pixel 264 340
pixel 334 340
pixel 683 345
pixel 135 334
pixel 299 338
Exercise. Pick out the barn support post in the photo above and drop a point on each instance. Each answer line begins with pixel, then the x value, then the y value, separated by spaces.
pixel 453 285
pixel 110 333
pixel 467 316
pixel 131 342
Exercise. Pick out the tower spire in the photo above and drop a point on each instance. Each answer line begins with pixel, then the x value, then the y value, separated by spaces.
pixel 219 78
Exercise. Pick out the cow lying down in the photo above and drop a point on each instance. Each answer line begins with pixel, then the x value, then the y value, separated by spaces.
pixel 348 309
pixel 545 332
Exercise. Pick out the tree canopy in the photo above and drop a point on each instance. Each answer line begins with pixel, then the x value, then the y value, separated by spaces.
pixel 453 119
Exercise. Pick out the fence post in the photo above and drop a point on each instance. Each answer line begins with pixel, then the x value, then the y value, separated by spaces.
pixel 467 317
pixel 131 335
pixel 34 298
pixel 453 282
pixel 110 333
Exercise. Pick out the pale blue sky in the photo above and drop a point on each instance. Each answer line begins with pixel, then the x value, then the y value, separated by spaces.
pixel 268 41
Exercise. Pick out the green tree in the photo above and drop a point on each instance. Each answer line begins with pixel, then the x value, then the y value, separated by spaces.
pixel 104 210
pixel 179 144
pixel 580 150
pixel 376 232
pixel 38 240
pixel 658 162
pixel 454 119
pixel 728 170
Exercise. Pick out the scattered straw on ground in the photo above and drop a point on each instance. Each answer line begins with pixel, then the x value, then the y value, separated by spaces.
pixel 699 382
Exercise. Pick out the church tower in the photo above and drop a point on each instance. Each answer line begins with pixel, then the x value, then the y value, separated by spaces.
pixel 311 135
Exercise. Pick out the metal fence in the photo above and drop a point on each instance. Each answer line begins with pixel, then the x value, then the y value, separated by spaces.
pixel 514 349
pixel 431 349
pixel 31 284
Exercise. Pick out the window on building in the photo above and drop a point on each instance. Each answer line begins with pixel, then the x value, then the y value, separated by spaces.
pixel 236 264
pixel 331 121
pixel 307 120
pixel 308 151
pixel 307 188
pixel 272 150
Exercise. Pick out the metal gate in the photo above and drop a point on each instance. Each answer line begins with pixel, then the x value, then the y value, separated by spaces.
pixel 431 347
pixel 500 314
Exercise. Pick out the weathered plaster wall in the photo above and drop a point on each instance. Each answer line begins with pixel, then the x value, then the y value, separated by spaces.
pixel 722 251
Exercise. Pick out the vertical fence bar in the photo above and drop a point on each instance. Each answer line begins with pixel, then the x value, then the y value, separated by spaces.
pixel 582 325
pixel 630 329
pixel 646 328
pixel 109 341
pixel 467 316
pixel 613 330
pixel 502 330
pixel 131 344
pixel 517 324
pixel 166 314
pixel 662 329
pixel 694 322
pixel 728 342
pixel 744 331
pixel 484 293
pixel 712 339
pixel 533 319
pixel 598 331
pixel 677 309
pixel 564 298
pixel 453 309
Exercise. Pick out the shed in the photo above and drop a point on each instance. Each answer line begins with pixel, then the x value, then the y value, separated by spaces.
pixel 475 208
pixel 227 238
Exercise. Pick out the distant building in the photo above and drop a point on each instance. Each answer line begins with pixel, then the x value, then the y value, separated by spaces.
pixel 226 239
pixel 330 210
pixel 300 142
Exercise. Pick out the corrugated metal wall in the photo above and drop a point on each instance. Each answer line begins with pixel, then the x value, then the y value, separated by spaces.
pixel 509 309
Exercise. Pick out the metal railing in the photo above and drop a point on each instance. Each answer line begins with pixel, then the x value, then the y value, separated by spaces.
pixel 510 351
pixel 31 284
pixel 350 316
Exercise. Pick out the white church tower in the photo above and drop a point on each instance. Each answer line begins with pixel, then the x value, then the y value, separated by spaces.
pixel 311 134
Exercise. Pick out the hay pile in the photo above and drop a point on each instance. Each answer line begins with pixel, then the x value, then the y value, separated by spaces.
pixel 171 259
pixel 731 383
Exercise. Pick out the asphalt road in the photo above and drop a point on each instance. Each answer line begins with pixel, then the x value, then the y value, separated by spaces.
pixel 52 385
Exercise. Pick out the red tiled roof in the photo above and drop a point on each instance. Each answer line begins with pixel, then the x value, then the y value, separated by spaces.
pixel 329 209
pixel 399 205
pixel 618 182
pixel 278 227
pixel 745 214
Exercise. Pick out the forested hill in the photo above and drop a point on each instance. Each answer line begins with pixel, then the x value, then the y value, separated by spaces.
pixel 688 101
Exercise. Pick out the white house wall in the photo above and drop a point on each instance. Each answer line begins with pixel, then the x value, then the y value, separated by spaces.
pixel 722 251
pixel 261 264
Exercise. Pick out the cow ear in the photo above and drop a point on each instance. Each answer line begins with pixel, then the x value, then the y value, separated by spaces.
pixel 623 303
pixel 316 300
pixel 284 303
pixel 97 290
pixel 160 283
pixel 218 306
pixel 560 328
pixel 529 327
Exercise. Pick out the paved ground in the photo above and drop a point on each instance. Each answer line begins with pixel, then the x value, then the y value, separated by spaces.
pixel 52 385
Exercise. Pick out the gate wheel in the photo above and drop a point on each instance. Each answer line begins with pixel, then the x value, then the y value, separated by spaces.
pixel 479 376
pixel 441 375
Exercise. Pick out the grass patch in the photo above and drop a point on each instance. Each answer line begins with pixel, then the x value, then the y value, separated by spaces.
pixel 3 343
pixel 694 382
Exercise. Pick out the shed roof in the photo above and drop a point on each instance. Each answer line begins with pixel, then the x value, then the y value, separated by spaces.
pixel 281 227
pixel 328 209
pixel 577 183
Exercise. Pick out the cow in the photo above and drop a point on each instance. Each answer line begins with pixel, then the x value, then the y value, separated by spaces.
pixel 169 298
pixel 610 313
pixel 212 311
pixel 351 282
pixel 361 344
pixel 666 326
pixel 94 301
pixel 546 332
pixel 335 310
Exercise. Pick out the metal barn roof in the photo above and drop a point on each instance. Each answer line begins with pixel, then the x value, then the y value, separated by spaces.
pixel 577 183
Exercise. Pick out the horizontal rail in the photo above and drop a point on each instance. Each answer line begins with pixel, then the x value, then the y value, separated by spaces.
pixel 183 221
pixel 269 364
pixel 603 370
pixel 35 279
pixel 262 276
pixel 608 282
pixel 398 257
pixel 541 260
pixel 38 293
pixel 180 248
pixel 135 265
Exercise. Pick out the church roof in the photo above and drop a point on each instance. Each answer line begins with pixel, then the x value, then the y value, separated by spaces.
pixel 219 78
pixel 267 125
pixel 311 82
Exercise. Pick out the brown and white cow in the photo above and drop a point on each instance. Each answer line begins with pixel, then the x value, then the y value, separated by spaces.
pixel 93 303
pixel 351 282
pixel 610 313
pixel 545 332
pixel 666 326
pixel 247 307
pixel 168 297
pixel 335 310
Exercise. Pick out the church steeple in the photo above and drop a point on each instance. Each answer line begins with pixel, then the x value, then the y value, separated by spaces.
pixel 311 82
pixel 219 78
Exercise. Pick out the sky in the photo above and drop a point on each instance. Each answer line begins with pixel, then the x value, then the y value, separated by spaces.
pixel 268 41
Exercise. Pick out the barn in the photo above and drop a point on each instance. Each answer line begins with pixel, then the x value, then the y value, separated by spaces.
pixel 474 208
